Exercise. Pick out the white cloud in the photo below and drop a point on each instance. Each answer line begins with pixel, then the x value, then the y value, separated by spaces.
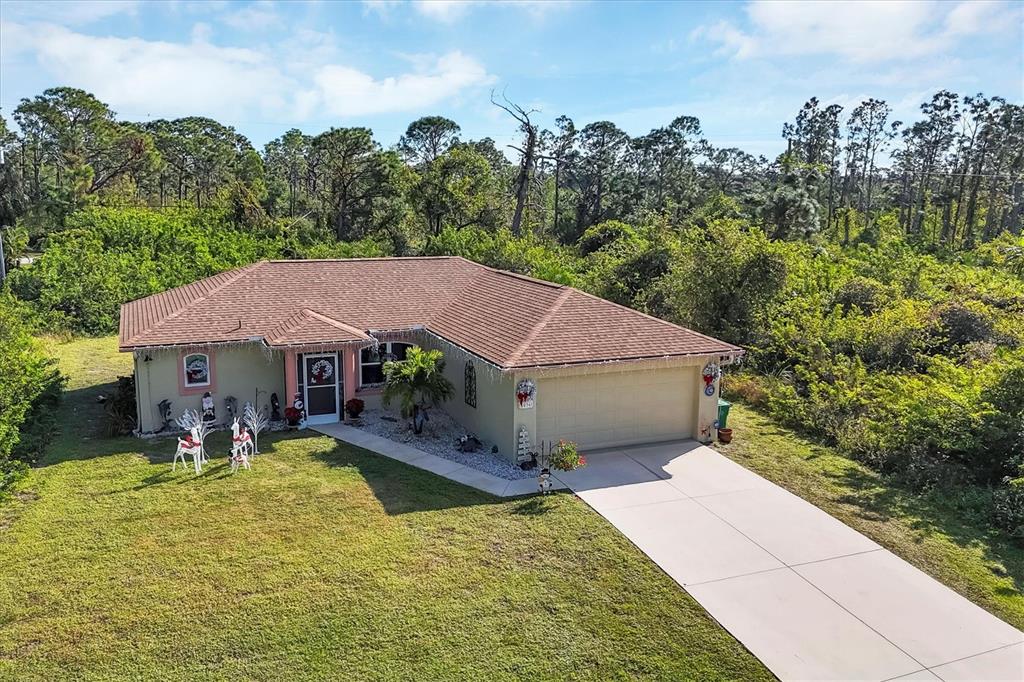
pixel 349 92
pixel 254 17
pixel 140 78
pixel 443 10
pixel 867 31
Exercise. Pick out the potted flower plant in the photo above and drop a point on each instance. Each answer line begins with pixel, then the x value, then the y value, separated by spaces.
pixel 354 407
pixel 563 456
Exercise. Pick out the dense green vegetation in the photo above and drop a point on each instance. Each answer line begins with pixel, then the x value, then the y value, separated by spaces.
pixel 322 562
pixel 873 271
pixel 30 390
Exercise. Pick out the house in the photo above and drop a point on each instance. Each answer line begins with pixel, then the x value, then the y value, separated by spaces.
pixel 523 354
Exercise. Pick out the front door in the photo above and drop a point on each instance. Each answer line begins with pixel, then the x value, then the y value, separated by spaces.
pixel 321 387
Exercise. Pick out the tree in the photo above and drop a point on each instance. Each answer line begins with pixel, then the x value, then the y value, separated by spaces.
pixel 559 146
pixel 427 138
pixel 458 189
pixel 601 148
pixel 78 144
pixel 356 182
pixel 202 156
pixel 791 209
pixel 527 153
pixel 418 383
pixel 287 163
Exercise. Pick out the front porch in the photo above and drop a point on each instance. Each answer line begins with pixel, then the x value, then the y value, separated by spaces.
pixel 325 378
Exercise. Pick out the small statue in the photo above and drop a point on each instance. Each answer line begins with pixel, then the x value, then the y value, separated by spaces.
pixel 296 414
pixel 231 407
pixel 209 414
pixel 275 408
pixel 544 481
pixel 166 421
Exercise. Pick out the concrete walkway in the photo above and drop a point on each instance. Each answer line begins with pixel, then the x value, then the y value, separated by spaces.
pixel 446 468
pixel 808 595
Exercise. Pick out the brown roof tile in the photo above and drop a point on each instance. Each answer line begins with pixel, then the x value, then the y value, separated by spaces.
pixel 507 319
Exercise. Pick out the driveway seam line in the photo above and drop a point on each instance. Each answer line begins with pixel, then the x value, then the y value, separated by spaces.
pixel 790 568
pixel 731 577
pixel 644 504
pixel 980 653
pixel 833 558
pixel 724 492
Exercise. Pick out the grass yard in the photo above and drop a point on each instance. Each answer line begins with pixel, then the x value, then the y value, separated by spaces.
pixel 932 532
pixel 324 561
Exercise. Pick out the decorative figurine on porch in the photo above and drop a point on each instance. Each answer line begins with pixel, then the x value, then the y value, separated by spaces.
pixel 164 407
pixel 209 414
pixel 275 408
pixel 231 408
pixel 296 414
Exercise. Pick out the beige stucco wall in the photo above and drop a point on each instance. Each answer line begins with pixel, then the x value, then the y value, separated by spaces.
pixel 238 371
pixel 493 416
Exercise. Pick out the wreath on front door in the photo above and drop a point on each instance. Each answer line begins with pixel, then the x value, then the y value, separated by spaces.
pixel 322 371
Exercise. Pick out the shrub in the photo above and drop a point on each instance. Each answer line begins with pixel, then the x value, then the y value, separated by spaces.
pixel 860 292
pixel 565 456
pixel 120 414
pixel 604 234
pixel 1008 507
pixel 962 325
pixel 29 392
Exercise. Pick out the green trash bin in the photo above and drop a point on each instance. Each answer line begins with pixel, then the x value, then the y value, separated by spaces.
pixel 723 412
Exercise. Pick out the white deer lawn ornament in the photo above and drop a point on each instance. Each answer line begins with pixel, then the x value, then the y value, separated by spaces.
pixel 241 447
pixel 239 458
pixel 192 444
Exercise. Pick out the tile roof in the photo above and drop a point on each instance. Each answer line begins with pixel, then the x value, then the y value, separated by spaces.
pixel 507 319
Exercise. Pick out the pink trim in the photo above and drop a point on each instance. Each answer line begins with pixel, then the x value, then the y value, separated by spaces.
pixel 291 377
pixel 349 358
pixel 197 390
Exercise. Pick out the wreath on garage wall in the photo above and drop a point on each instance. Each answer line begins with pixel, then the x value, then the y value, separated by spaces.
pixel 526 393
pixel 711 373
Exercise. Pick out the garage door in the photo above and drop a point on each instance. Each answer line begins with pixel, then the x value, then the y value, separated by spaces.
pixel 618 408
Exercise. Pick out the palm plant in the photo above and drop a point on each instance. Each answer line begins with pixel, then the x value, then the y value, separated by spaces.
pixel 418 382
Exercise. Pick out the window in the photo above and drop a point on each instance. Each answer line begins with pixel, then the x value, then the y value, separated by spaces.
pixel 197 370
pixel 470 381
pixel 371 361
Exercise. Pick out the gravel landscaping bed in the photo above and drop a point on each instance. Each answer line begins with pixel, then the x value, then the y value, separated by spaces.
pixel 439 437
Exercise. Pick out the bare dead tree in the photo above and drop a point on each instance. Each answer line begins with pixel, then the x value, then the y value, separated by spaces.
pixel 528 155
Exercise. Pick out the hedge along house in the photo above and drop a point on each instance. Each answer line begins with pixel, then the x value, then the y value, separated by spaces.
pixel 526 356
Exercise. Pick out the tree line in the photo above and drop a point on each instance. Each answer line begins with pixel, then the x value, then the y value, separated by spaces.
pixel 951 179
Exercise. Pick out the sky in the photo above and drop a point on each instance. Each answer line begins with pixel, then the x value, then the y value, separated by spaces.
pixel 742 68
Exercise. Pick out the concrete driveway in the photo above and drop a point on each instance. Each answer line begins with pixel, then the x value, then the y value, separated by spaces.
pixel 809 596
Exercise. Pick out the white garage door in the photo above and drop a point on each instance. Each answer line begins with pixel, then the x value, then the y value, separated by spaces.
pixel 618 408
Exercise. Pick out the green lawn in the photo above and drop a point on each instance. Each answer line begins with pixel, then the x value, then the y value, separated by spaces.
pixel 324 561
pixel 937 533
